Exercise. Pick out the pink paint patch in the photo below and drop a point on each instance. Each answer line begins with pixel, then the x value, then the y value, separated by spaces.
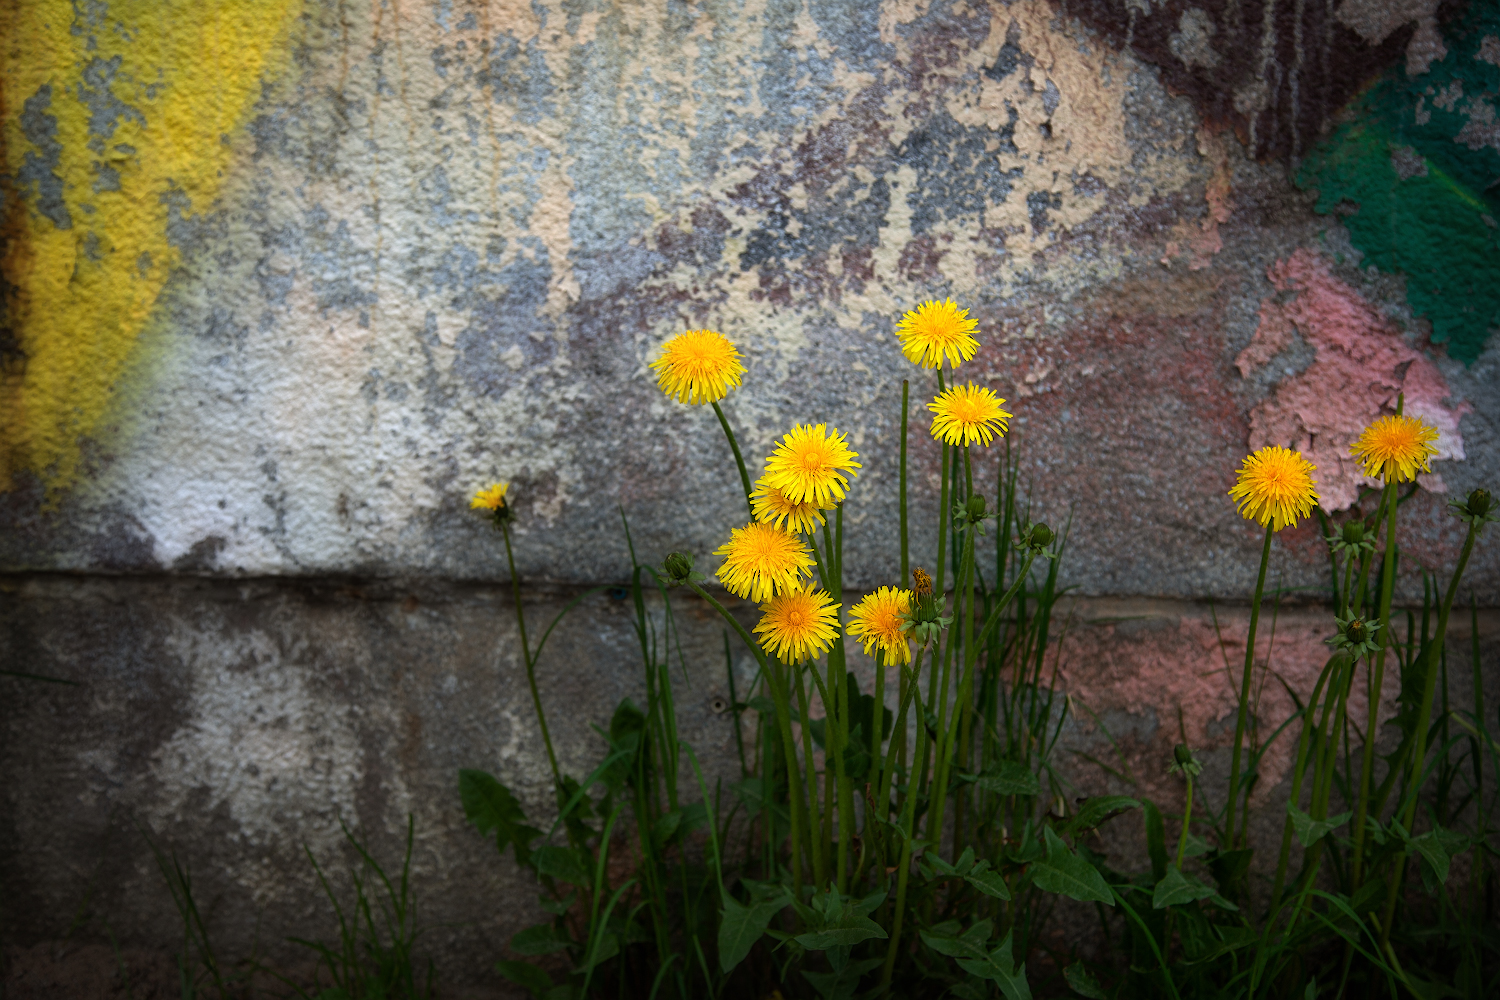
pixel 1362 363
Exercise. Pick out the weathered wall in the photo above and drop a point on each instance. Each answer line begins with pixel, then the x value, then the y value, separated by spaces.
pixel 282 283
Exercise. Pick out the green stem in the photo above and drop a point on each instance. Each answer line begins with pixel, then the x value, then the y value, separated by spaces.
pixel 1297 777
pixel 1239 725
pixel 1187 818
pixel 1372 722
pixel 903 870
pixel 1357 600
pixel 739 459
pixel 536 698
pixel 1424 718
pixel 784 723
pixel 804 702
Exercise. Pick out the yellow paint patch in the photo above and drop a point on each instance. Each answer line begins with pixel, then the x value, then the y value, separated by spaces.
pixel 143 101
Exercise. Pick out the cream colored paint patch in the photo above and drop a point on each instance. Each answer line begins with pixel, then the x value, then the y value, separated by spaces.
pixel 353 425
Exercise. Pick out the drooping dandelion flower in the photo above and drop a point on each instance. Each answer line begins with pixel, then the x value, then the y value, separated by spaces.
pixel 761 560
pixel 968 413
pixel 1275 486
pixel 1397 447
pixel 879 621
pixel 699 366
pixel 798 625
pixel 809 464
pixel 937 330
pixel 772 506
pixel 492 497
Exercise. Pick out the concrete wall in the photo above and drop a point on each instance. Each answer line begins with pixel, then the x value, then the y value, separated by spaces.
pixel 283 283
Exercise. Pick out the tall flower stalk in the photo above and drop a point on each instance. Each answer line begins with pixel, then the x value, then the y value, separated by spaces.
pixel 1275 488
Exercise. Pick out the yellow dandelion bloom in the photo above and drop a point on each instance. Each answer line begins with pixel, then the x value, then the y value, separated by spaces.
pixel 876 622
pixel 761 560
pixel 492 497
pixel 699 366
pixel 968 413
pixel 798 625
pixel 1274 486
pixel 772 506
pixel 808 466
pixel 1398 447
pixel 935 330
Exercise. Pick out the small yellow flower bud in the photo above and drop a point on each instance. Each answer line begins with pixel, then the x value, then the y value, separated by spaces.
pixel 921 582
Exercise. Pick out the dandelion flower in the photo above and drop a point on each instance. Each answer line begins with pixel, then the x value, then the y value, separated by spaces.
pixel 1274 486
pixel 1397 447
pixel 798 625
pixel 935 330
pixel 808 466
pixel 968 413
pixel 878 622
pixel 492 497
pixel 772 506
pixel 699 366
pixel 761 560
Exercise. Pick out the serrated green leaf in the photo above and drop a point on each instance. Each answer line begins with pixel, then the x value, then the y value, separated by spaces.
pixel 999 967
pixel 1099 809
pixel 1308 830
pixel 840 985
pixel 1083 982
pixel 525 975
pixel 1066 874
pixel 852 931
pixel 1434 860
pixel 491 807
pixel 562 863
pixel 558 906
pixel 989 882
pixel 740 926
pixel 540 939
pixel 1008 777
pixel 1178 888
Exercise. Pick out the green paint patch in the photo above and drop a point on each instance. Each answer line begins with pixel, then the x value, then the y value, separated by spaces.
pixel 1418 160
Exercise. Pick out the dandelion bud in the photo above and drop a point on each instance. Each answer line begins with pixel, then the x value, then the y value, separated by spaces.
pixel 975 507
pixel 679 566
pixel 921 582
pixel 1182 754
pixel 1041 536
pixel 1479 503
pixel 1354 532
pixel 1356 632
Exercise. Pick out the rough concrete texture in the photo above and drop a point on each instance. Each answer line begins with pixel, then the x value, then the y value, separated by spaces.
pixel 283 283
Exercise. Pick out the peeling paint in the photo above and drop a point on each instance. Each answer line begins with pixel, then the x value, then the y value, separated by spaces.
pixel 1362 363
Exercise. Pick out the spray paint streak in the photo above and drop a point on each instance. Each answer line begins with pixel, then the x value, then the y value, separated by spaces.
pixel 117 135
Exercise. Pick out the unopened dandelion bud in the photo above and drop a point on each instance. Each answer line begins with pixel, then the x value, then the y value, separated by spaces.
pixel 1356 631
pixel 1182 754
pixel 1354 532
pixel 1041 536
pixel 975 507
pixel 1479 503
pixel 679 566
